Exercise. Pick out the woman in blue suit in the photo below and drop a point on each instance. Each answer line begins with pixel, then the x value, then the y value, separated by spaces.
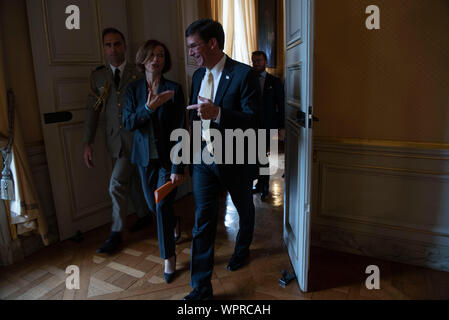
pixel 154 107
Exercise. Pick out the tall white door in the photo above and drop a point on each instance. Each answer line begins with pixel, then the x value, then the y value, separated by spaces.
pixel 298 124
pixel 63 60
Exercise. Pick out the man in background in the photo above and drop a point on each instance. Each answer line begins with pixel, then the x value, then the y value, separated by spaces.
pixel 273 112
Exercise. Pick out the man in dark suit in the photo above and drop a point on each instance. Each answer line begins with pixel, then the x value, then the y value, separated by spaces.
pixel 224 96
pixel 273 110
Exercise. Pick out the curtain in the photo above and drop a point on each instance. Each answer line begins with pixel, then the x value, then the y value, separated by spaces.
pixel 227 17
pixel 217 10
pixel 238 18
pixel 245 41
pixel 24 213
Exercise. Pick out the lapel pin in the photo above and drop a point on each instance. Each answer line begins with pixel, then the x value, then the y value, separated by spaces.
pixel 227 77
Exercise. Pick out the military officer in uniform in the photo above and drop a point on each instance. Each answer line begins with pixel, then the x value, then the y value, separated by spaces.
pixel 107 92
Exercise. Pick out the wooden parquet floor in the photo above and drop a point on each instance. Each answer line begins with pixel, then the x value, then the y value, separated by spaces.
pixel 136 271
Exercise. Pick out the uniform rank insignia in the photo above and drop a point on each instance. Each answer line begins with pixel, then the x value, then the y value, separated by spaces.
pixel 101 98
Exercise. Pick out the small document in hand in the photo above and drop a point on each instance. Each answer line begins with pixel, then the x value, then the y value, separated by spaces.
pixel 165 189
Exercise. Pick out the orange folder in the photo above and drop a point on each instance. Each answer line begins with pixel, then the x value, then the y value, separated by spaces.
pixel 165 189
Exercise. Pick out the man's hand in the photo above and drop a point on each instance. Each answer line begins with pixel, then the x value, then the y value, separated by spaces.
pixel 176 178
pixel 206 110
pixel 88 156
pixel 154 101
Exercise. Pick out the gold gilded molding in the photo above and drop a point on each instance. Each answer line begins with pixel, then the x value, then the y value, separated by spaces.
pixel 100 29
pixel 385 143
pixel 321 213
pixel 47 39
pixel 58 82
pixel 381 225
pixel 331 219
pixel 383 154
pixel 44 21
pixel 370 167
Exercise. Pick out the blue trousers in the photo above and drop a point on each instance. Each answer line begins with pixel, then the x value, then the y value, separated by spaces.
pixel 207 181
pixel 153 177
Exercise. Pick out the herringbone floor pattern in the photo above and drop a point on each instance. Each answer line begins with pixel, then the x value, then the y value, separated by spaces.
pixel 136 271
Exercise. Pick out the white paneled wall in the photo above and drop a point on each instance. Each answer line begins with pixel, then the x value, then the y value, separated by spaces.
pixel 385 200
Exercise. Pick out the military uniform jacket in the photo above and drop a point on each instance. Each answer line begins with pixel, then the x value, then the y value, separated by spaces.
pixel 105 97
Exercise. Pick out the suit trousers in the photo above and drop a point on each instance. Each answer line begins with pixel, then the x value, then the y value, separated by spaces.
pixel 125 181
pixel 263 181
pixel 207 183
pixel 154 176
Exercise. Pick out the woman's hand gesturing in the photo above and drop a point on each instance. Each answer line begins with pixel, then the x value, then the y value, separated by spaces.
pixel 154 101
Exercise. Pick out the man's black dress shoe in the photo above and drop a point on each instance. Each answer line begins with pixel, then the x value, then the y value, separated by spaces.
pixel 111 244
pixel 204 293
pixel 237 262
pixel 141 223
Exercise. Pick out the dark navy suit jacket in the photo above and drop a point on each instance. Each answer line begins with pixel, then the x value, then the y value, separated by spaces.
pixel 273 103
pixel 165 119
pixel 238 96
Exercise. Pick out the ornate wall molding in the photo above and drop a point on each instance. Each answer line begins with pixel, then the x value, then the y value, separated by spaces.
pixel 386 199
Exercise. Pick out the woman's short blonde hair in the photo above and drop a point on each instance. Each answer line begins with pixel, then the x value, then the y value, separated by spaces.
pixel 145 51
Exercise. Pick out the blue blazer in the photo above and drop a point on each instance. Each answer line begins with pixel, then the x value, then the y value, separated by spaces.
pixel 165 119
pixel 273 103
pixel 238 96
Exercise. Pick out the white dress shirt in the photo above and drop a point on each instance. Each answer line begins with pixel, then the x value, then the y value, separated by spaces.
pixel 120 67
pixel 216 71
